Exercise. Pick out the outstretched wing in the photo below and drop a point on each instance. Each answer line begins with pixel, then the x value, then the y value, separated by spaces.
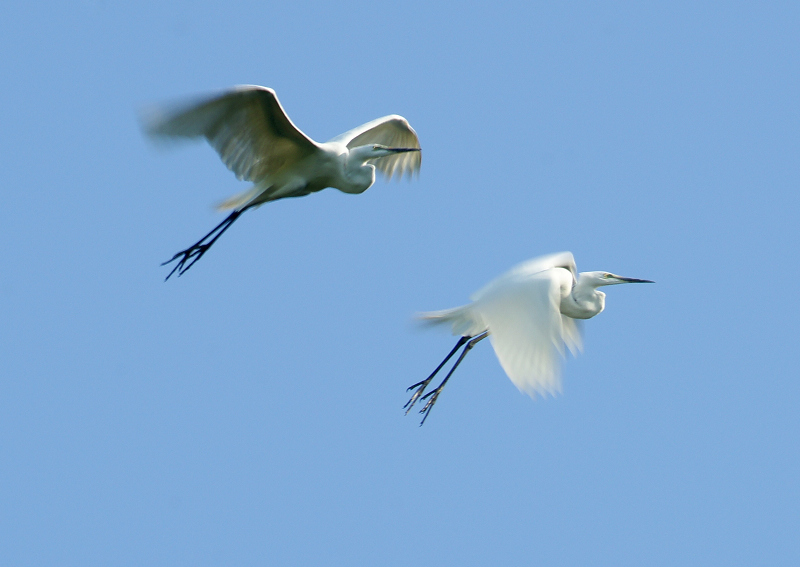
pixel 527 330
pixel 533 266
pixel 393 131
pixel 247 126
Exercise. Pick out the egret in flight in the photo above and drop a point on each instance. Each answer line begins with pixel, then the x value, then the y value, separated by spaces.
pixel 530 315
pixel 249 129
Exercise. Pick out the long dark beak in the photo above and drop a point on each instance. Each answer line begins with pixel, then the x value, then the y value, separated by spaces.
pixel 400 150
pixel 634 280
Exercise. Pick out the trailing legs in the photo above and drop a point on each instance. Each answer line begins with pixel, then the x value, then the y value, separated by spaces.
pixel 196 250
pixel 432 396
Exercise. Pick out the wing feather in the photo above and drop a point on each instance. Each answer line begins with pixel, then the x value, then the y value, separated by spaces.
pixel 247 126
pixel 533 266
pixel 526 330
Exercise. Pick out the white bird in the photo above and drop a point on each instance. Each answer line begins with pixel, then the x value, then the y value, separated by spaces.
pixel 249 129
pixel 530 315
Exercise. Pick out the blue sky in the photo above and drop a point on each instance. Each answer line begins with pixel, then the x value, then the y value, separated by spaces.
pixel 249 412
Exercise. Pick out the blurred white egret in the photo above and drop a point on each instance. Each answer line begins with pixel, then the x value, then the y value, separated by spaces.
pixel 257 141
pixel 529 314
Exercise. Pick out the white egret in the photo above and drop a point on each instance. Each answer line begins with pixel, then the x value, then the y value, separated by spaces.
pixel 249 129
pixel 530 315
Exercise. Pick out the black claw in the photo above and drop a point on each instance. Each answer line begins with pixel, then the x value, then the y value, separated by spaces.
pixel 196 250
pixel 420 389
pixel 429 406
pixel 194 254
pixel 433 395
pixel 172 272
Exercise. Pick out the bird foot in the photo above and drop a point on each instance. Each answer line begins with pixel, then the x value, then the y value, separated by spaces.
pixel 420 386
pixel 193 253
pixel 431 397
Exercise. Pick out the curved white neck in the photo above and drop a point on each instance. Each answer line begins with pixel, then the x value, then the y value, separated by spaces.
pixel 359 174
pixel 585 301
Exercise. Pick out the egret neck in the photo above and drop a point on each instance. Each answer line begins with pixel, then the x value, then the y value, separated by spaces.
pixel 585 301
pixel 359 174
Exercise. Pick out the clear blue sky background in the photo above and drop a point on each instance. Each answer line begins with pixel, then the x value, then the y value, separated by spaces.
pixel 249 412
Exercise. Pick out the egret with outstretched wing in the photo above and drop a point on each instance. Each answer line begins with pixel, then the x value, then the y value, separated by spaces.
pixel 530 315
pixel 254 137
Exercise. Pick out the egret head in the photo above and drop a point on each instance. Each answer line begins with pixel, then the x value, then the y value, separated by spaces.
pixel 598 279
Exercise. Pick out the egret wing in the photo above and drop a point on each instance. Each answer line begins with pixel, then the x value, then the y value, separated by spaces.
pixel 571 328
pixel 533 266
pixel 247 126
pixel 393 131
pixel 572 332
pixel 527 329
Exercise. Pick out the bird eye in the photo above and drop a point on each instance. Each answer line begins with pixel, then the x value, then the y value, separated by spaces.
pixel 607 276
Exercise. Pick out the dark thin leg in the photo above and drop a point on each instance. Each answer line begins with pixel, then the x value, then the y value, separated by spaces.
pixel 434 395
pixel 424 384
pixel 196 250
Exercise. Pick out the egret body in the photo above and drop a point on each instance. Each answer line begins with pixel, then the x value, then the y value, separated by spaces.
pixel 254 137
pixel 530 315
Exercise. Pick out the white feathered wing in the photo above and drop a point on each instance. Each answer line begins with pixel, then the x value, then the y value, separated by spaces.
pixel 393 131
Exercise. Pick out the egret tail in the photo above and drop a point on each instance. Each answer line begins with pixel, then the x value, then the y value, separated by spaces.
pixel 240 200
pixel 464 320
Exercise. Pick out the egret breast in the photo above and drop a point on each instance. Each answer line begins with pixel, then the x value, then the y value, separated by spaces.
pixel 356 181
pixel 583 307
